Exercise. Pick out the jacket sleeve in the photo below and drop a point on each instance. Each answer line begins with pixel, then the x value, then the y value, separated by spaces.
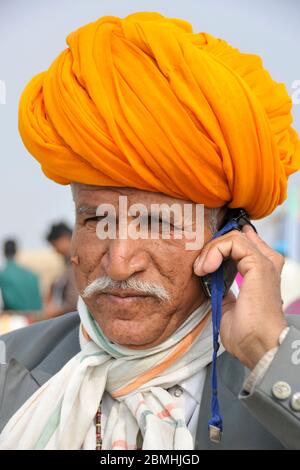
pixel 275 400
pixel 30 356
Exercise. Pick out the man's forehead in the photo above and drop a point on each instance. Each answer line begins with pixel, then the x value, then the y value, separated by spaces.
pixel 89 196
pixel 116 191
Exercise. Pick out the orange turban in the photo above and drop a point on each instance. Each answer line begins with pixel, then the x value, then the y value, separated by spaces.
pixel 145 102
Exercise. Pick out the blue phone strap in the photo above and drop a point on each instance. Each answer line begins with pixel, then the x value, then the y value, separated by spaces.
pixel 215 423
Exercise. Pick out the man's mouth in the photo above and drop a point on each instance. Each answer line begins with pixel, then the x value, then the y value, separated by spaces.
pixel 124 297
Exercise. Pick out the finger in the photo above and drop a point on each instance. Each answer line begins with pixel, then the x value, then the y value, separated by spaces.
pixel 276 258
pixel 199 260
pixel 236 246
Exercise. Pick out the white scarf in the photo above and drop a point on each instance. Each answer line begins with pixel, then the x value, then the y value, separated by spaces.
pixel 60 413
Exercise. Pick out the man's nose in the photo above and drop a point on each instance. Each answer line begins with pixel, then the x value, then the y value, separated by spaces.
pixel 124 258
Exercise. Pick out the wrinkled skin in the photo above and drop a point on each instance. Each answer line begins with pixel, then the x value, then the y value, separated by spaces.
pixel 145 321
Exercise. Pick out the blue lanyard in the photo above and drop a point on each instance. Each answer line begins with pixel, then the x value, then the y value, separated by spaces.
pixel 215 423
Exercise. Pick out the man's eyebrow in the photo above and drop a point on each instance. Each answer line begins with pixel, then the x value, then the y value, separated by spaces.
pixel 86 209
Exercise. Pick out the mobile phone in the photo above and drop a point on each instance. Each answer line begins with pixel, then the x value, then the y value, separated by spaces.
pixel 240 218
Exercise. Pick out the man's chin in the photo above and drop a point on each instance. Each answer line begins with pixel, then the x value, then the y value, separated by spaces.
pixel 131 343
pixel 130 322
pixel 130 333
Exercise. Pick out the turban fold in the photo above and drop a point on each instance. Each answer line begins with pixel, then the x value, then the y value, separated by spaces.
pixel 145 102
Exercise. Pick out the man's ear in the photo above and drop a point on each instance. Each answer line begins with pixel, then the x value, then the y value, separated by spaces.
pixel 217 217
pixel 223 216
pixel 74 258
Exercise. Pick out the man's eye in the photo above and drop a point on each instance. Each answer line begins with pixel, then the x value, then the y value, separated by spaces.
pixel 94 219
pixel 159 221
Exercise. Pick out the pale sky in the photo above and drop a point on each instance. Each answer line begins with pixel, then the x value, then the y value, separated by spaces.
pixel 33 32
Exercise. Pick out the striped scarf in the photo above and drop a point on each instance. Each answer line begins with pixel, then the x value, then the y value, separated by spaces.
pixel 59 415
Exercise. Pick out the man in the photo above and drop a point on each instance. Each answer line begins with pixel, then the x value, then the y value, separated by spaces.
pixel 63 295
pixel 19 287
pixel 143 111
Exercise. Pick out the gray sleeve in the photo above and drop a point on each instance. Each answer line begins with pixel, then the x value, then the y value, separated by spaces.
pixel 30 356
pixel 275 401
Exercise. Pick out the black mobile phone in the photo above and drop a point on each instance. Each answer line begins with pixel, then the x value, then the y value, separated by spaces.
pixel 241 217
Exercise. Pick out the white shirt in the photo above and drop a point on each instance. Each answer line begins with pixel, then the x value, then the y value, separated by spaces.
pixel 187 394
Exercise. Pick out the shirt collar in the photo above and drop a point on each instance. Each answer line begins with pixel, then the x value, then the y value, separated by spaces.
pixel 194 385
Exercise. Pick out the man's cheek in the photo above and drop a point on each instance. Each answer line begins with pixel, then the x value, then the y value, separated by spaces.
pixel 88 262
pixel 80 279
pixel 88 259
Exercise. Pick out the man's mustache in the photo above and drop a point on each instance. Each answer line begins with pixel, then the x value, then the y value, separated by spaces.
pixel 142 287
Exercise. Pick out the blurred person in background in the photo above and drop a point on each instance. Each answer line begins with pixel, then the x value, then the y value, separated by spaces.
pixel 63 296
pixel 19 287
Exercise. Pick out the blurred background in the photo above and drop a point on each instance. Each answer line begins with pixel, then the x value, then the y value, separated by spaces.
pixel 36 215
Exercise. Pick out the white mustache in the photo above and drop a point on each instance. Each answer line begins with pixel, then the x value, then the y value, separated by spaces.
pixel 142 287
